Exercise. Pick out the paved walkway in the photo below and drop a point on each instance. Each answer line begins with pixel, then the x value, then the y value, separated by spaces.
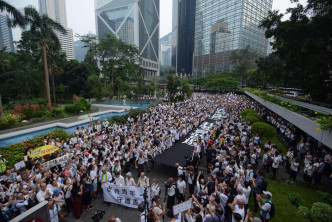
pixel 313 107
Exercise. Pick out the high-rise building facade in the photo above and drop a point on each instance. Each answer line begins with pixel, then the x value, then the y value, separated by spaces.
pixel 56 10
pixel 166 50
pixel 6 36
pixel 183 32
pixel 222 26
pixel 135 22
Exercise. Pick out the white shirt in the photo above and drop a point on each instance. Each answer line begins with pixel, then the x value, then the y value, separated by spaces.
pixel 54 214
pixel 130 182
pixel 41 195
pixel 181 186
pixel 239 211
pixel 155 189
pixel 119 181
pixel 276 161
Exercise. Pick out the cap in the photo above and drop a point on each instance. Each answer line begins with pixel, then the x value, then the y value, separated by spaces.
pixel 56 191
pixel 86 153
pixel 267 193
pixel 129 174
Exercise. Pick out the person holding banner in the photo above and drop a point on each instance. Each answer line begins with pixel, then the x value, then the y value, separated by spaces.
pixel 105 176
pixel 130 180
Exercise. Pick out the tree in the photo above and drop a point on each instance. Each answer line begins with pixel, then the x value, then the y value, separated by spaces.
pixel 56 59
pixel 221 81
pixel 198 82
pixel 46 27
pixel 18 19
pixel 95 87
pixel 186 90
pixel 173 83
pixel 243 60
pixel 303 43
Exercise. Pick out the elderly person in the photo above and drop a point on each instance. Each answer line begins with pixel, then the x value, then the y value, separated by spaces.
pixel 130 180
pixel 143 181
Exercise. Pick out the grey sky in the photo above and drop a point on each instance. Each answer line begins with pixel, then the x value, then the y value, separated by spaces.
pixel 81 16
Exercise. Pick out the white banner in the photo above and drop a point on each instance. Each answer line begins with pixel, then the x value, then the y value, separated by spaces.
pixel 57 161
pixel 182 207
pixel 123 195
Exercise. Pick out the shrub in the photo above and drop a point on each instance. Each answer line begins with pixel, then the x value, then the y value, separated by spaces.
pixel 37 120
pixel 118 119
pixel 39 113
pixel 15 153
pixel 264 130
pixel 321 211
pixel 28 113
pixel 35 107
pixel 251 118
pixel 304 212
pixel 57 111
pixel 324 196
pixel 84 103
pixel 17 109
pixel 246 112
pixel 295 199
pixel 73 108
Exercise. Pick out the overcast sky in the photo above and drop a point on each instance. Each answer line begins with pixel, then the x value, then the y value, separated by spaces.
pixel 81 16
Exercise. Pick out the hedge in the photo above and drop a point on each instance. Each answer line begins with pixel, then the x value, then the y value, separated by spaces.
pixel 264 130
pixel 15 153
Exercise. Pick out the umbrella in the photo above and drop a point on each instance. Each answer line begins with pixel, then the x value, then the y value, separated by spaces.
pixel 43 150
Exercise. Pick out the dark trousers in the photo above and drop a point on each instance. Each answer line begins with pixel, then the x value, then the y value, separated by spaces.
pixel 274 171
pixel 255 201
pixel 292 175
pixel 170 201
pixel 317 177
pixel 191 189
pixel 140 169
pixel 181 197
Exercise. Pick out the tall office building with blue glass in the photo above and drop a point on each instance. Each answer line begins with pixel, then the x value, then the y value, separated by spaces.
pixel 6 36
pixel 222 26
pixel 135 22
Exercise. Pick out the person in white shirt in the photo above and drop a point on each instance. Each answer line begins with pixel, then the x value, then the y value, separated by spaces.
pixel 22 203
pixel 277 159
pixel 237 208
pixel 294 168
pixel 249 173
pixel 179 168
pixel 130 180
pixel 53 211
pixel 44 193
pixel 308 172
pixel 105 176
pixel 119 180
pixel 181 185
pixel 155 189
pixel 143 181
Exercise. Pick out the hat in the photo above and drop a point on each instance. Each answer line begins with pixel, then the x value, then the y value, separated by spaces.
pixel 267 193
pixel 56 191
pixel 129 174
pixel 66 171
pixel 86 153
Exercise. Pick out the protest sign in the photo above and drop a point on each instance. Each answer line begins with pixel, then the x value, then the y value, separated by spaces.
pixel 57 161
pixel 179 208
pixel 124 195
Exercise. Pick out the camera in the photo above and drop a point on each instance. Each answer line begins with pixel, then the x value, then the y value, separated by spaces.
pixel 99 214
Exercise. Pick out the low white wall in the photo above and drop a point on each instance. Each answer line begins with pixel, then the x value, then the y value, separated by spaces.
pixel 302 122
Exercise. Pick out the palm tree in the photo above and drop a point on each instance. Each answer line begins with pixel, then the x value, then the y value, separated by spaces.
pixel 55 58
pixel 47 27
pixel 18 19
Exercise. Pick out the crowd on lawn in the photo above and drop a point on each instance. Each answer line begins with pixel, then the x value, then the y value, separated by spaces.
pixel 106 152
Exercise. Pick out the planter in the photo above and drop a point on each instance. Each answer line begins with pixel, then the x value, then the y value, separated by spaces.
pixel 305 124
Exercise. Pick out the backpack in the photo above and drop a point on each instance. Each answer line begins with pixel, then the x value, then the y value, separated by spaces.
pixel 264 186
pixel 272 211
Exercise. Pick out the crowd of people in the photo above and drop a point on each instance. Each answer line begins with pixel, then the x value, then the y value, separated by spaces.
pixel 108 152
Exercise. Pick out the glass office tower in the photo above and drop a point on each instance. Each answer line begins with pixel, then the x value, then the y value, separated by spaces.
pixel 222 26
pixel 183 35
pixel 135 22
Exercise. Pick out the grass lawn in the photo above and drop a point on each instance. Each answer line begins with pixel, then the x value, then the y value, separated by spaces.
pixel 277 140
pixel 285 211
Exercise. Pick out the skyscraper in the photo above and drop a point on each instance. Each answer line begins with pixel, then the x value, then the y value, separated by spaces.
pixel 6 37
pixel 166 50
pixel 56 10
pixel 135 22
pixel 183 32
pixel 223 26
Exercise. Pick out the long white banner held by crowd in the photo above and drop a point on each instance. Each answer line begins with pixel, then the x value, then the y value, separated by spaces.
pixel 123 195
pixel 57 161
